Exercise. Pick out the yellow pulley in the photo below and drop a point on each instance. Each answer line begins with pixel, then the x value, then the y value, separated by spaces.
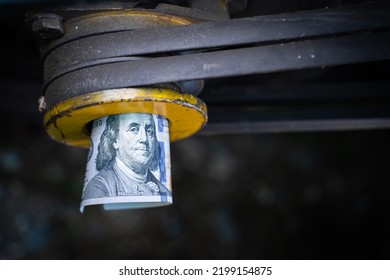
pixel 69 121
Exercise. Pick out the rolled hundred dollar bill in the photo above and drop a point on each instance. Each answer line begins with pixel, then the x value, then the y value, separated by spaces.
pixel 128 162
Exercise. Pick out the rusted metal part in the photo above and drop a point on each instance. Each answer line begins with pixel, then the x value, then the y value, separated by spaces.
pixel 68 122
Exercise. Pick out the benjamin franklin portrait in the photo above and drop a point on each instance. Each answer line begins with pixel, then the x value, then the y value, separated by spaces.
pixel 128 152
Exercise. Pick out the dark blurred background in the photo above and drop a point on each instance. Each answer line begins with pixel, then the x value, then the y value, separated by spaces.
pixel 303 195
pixel 266 196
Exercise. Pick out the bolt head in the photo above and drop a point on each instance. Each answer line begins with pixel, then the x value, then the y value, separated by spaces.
pixel 48 27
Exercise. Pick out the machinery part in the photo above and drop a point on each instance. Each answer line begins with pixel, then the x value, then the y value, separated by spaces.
pixel 219 8
pixel 48 26
pixel 341 36
pixel 333 106
pixel 262 59
pixel 264 30
pixel 69 121
pixel 265 44
pixel 126 146
pixel 111 21
pixel 297 119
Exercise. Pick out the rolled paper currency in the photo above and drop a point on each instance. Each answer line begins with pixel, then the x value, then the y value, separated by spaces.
pixel 128 163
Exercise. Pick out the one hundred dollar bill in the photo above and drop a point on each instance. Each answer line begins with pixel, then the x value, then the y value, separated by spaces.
pixel 128 162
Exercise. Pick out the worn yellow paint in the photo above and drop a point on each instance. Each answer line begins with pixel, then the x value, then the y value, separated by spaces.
pixel 118 20
pixel 142 16
pixel 134 16
pixel 69 121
